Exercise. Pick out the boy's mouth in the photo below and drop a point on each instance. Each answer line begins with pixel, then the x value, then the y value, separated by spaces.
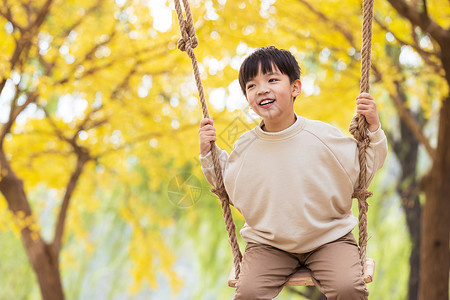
pixel 266 102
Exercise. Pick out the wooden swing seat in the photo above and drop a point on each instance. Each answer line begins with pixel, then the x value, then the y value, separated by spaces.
pixel 303 276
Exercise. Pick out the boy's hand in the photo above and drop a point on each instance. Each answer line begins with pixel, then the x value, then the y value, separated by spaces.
pixel 366 106
pixel 206 134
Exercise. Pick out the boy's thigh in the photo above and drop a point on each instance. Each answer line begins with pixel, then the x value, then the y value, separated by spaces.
pixel 336 269
pixel 264 271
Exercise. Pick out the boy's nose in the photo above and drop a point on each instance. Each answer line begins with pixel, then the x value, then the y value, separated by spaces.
pixel 263 90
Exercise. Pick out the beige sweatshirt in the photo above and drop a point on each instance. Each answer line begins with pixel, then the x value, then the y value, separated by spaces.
pixel 294 187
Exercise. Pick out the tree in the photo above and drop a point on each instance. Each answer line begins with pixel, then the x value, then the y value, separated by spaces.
pixel 77 108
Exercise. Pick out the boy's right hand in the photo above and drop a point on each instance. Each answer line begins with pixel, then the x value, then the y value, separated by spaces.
pixel 206 134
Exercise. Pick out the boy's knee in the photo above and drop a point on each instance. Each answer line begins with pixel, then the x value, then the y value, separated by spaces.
pixel 253 291
pixel 246 291
pixel 348 289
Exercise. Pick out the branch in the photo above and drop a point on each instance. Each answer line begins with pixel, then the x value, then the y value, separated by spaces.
pixel 405 113
pixel 88 56
pixel 146 137
pixel 90 10
pixel 21 44
pixel 50 65
pixel 423 53
pixel 420 19
pixel 410 121
pixel 161 47
pixel 347 34
pixel 84 123
pixel 41 15
pixel 126 79
pixel 47 66
pixel 55 127
pixel 8 16
pixel 425 9
pixel 28 8
pixel 437 67
pixel 14 113
pixel 403 42
pixel 24 42
pixel 49 152
pixel 82 158
pixel 341 28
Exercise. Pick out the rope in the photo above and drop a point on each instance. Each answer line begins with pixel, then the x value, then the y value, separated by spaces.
pixel 187 43
pixel 358 128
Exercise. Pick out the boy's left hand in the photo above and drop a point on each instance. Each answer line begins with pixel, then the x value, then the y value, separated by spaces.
pixel 366 106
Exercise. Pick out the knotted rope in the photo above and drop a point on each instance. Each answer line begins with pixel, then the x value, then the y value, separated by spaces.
pixel 358 128
pixel 187 43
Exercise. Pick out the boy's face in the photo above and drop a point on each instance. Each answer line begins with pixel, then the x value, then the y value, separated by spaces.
pixel 271 95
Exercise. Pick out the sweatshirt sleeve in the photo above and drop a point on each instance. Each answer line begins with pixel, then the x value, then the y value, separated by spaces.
pixel 208 166
pixel 375 154
pixel 345 150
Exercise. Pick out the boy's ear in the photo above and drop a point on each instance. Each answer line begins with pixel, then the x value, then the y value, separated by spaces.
pixel 296 88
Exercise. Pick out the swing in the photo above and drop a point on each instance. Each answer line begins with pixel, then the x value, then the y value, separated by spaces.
pixel 358 128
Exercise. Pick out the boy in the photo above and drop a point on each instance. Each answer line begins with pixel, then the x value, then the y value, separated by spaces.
pixel 292 180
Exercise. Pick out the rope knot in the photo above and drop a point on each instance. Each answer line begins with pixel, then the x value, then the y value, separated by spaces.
pixel 220 192
pixel 184 45
pixel 188 39
pixel 361 194
pixel 358 128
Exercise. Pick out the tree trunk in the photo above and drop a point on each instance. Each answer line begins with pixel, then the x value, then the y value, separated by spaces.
pixel 436 217
pixel 41 255
pixel 406 150
pixel 435 255
pixel 45 265
pixel 408 190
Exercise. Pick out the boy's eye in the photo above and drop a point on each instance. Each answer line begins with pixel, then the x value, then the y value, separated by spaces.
pixel 272 79
pixel 250 86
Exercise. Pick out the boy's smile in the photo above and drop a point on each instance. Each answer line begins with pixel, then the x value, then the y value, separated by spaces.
pixel 271 96
pixel 266 103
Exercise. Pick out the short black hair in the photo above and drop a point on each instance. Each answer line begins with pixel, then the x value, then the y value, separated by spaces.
pixel 266 58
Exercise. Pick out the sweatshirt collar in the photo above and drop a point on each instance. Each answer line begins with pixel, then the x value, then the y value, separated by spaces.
pixel 279 135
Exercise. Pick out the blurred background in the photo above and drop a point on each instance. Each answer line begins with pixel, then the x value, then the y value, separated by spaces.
pixel 102 195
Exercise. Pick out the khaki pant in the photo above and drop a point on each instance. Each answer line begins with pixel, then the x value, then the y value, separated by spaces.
pixel 336 270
